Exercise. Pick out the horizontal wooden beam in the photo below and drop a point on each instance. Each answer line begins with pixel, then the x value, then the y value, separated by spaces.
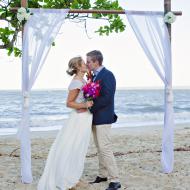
pixel 178 13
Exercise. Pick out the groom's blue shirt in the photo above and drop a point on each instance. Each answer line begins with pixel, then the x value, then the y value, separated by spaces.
pixel 97 71
pixel 103 108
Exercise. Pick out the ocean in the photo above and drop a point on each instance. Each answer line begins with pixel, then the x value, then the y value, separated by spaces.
pixel 134 108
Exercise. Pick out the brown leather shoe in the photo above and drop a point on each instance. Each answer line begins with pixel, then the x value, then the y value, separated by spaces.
pixel 99 179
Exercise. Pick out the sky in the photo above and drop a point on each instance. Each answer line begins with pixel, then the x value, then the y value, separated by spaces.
pixel 122 53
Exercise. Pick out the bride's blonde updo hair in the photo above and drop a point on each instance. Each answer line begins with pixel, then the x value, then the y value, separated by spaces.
pixel 74 64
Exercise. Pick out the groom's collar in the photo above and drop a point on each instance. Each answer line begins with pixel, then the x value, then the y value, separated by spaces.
pixel 98 70
pixel 100 74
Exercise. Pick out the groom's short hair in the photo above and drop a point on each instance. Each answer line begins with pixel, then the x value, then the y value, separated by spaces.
pixel 96 55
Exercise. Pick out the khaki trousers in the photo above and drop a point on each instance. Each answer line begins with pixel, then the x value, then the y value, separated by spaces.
pixel 107 163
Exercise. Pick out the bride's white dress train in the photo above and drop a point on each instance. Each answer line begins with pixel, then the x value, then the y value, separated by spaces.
pixel 65 162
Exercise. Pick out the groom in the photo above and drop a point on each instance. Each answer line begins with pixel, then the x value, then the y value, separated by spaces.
pixel 103 117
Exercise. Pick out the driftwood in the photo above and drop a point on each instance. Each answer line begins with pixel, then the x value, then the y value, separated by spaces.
pixel 11 154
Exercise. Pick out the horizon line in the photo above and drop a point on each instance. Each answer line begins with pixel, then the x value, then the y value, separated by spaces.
pixel 117 88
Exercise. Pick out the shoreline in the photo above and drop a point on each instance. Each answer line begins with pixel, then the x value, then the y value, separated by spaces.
pixel 129 130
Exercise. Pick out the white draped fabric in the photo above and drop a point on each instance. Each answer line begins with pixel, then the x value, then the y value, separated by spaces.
pixel 152 34
pixel 39 34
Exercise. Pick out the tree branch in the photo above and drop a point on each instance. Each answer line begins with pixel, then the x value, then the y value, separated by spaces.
pixel 86 30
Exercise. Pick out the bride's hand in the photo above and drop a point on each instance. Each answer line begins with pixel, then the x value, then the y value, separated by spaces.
pixel 89 104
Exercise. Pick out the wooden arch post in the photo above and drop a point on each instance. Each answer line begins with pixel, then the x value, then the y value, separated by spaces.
pixel 167 8
pixel 24 3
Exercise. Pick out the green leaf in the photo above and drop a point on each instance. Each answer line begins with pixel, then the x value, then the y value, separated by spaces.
pixel 2 11
pixel 10 50
pixel 17 52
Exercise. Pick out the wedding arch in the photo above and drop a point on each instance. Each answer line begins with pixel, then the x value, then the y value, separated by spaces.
pixel 38 35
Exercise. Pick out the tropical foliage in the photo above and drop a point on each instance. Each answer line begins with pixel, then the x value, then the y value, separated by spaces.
pixel 10 26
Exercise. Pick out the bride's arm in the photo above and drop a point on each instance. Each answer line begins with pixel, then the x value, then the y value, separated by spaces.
pixel 71 103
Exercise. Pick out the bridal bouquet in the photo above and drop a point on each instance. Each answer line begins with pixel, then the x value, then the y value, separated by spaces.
pixel 91 90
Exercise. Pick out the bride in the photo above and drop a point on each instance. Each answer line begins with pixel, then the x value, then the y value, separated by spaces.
pixel 65 162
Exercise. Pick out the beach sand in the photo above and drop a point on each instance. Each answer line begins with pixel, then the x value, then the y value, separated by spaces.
pixel 137 152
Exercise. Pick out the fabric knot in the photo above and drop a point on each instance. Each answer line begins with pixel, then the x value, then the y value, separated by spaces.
pixel 169 94
pixel 26 96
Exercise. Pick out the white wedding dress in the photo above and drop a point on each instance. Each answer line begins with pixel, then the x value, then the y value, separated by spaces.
pixel 65 162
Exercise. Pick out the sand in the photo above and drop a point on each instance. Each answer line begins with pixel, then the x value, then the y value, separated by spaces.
pixel 137 152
